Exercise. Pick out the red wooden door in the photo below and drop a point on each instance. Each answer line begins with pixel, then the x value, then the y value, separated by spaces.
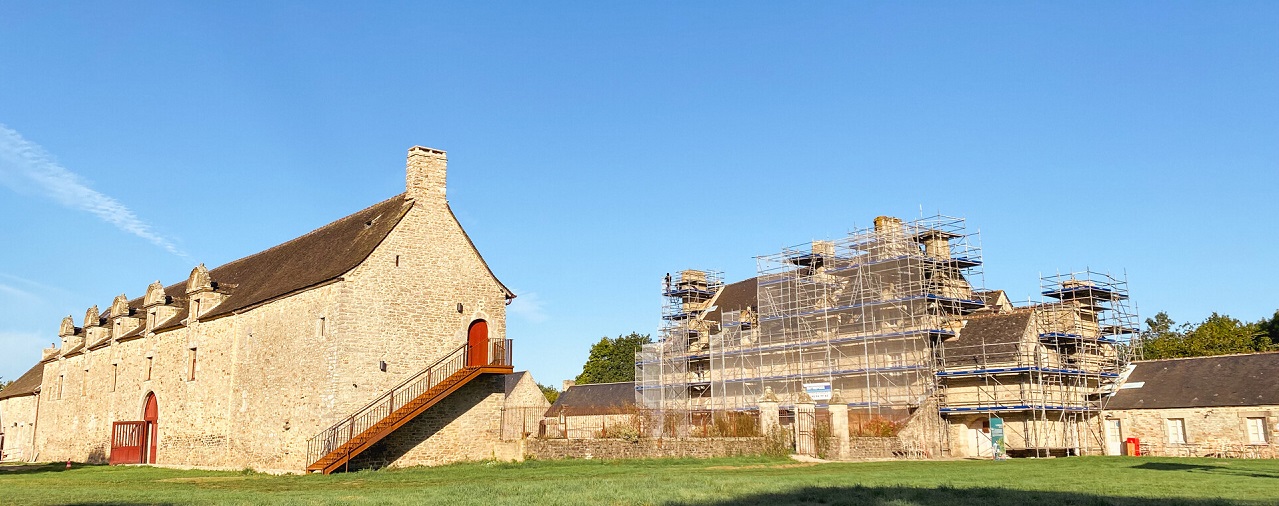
pixel 151 415
pixel 126 442
pixel 477 339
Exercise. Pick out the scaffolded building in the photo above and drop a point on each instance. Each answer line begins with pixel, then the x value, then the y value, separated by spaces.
pixel 1047 373
pixel 893 318
pixel 860 315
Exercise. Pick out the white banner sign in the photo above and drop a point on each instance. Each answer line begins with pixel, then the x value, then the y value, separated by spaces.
pixel 818 391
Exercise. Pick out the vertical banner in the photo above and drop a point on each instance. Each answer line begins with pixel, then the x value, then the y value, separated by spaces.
pixel 997 436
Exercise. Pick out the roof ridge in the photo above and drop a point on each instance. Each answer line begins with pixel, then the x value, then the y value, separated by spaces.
pixel 308 234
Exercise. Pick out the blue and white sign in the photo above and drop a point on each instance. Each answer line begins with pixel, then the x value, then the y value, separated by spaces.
pixel 818 391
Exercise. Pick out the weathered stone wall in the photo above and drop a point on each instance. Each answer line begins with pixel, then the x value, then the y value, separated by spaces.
pixel 257 394
pixel 401 305
pixel 925 432
pixel 270 377
pixel 460 427
pixel 1022 432
pixel 17 423
pixel 1209 431
pixel 873 448
pixel 523 410
pixel 549 449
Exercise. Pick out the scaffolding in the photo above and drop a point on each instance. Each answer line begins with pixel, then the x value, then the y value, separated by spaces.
pixel 673 374
pixel 1046 368
pixel 860 315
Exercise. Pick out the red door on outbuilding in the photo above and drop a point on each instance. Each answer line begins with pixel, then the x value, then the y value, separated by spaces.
pixel 477 340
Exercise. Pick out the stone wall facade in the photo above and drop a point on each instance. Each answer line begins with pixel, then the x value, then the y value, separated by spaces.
pixel 17 424
pixel 250 388
pixel 461 427
pixel 549 449
pixel 1209 432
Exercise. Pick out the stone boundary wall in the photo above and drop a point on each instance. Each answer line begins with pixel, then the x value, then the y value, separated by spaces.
pixel 550 449
pixel 873 448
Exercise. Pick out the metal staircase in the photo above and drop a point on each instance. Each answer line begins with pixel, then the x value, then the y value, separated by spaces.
pixel 333 448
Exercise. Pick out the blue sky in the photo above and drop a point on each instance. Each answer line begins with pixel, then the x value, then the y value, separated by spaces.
pixel 595 147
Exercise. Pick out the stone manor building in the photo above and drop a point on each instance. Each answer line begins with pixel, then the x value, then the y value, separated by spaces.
pixel 378 339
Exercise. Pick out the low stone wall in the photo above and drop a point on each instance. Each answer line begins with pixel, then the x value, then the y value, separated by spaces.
pixel 875 448
pixel 549 449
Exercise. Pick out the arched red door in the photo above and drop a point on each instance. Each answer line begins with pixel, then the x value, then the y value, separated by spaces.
pixel 150 415
pixel 477 339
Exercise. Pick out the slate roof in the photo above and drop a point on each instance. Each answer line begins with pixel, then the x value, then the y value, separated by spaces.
pixel 1001 333
pixel 512 380
pixel 307 261
pixel 594 399
pixel 736 296
pixel 1201 382
pixel 27 384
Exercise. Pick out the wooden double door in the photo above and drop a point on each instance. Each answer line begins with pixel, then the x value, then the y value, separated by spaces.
pixel 135 442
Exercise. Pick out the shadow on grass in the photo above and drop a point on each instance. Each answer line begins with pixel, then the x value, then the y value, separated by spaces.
pixel 120 503
pixel 1204 468
pixel 948 496
pixel 55 467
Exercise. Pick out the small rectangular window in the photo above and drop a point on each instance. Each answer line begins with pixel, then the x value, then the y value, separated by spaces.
pixel 61 379
pixel 1177 431
pixel 115 376
pixel 191 367
pixel 149 362
pixel 397 260
pixel 84 383
pixel 319 327
pixel 196 314
pixel 1257 430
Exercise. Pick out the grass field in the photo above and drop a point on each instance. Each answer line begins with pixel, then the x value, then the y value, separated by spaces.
pixel 1084 481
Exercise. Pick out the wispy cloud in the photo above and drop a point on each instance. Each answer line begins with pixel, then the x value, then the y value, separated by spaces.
pixel 25 166
pixel 16 292
pixel 528 306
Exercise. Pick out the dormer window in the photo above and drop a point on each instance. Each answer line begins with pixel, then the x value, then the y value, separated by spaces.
pixel 195 309
pixel 151 315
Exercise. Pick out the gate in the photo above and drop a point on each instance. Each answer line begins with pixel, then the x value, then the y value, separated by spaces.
pixel 127 439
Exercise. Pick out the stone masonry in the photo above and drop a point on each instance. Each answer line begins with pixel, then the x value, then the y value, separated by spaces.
pixel 249 387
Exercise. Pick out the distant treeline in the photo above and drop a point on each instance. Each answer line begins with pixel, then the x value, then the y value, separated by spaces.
pixel 1217 335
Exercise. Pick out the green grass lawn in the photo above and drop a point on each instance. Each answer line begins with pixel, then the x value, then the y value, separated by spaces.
pixel 1084 481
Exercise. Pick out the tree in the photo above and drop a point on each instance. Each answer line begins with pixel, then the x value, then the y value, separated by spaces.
pixel 1222 335
pixel 1268 333
pixel 613 360
pixel 4 383
pixel 550 392
pixel 1160 340
pixel 1217 335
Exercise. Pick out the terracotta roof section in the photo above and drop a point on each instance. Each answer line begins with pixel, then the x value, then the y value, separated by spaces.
pixel 1201 382
pixel 27 384
pixel 1001 333
pixel 595 399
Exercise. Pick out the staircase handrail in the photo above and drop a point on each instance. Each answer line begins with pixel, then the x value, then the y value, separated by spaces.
pixel 384 405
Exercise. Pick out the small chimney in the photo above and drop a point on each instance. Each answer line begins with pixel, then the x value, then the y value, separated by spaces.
pixel 567 384
pixel 427 174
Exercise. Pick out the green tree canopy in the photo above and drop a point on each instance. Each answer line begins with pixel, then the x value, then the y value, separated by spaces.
pixel 550 392
pixel 612 360
pixel 1217 335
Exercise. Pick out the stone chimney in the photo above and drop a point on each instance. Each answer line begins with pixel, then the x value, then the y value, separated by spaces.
pixel 427 174
pixel 567 384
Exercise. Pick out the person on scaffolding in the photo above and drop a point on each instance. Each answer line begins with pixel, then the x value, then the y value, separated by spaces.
pixel 668 283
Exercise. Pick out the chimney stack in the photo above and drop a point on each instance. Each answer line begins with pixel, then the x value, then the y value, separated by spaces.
pixel 427 171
